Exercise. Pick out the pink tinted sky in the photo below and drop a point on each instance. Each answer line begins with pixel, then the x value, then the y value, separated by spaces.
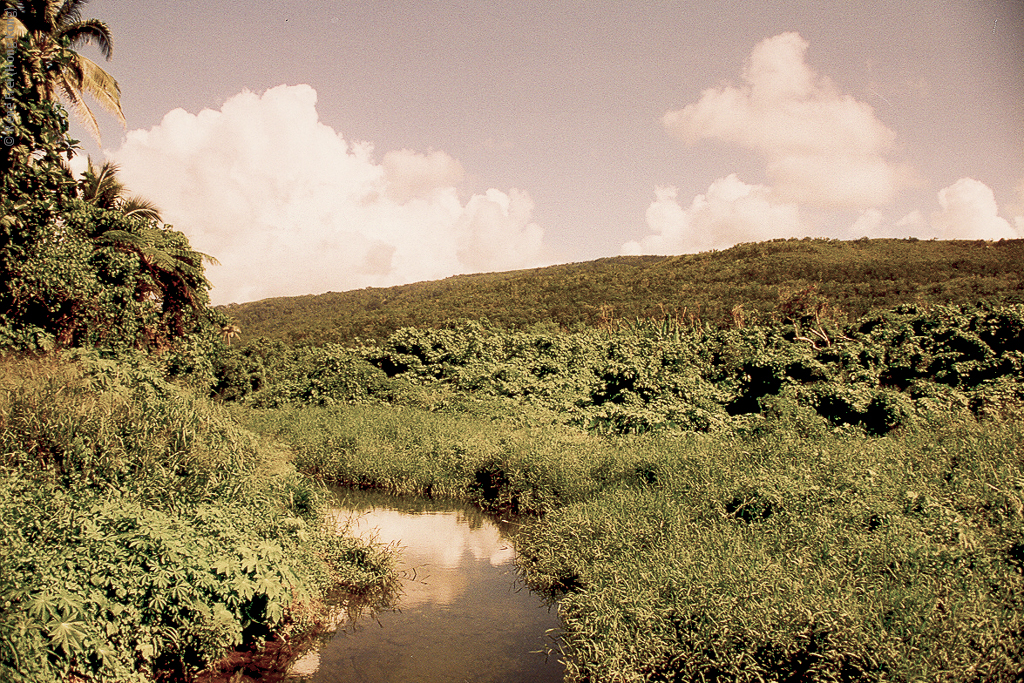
pixel 336 145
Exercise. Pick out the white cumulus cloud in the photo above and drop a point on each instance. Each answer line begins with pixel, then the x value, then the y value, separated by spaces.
pixel 824 153
pixel 968 211
pixel 730 212
pixel 821 148
pixel 1016 208
pixel 289 207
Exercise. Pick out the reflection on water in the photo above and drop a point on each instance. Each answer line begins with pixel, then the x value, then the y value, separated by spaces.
pixel 462 616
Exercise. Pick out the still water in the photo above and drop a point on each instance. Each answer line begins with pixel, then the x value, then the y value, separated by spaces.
pixel 463 614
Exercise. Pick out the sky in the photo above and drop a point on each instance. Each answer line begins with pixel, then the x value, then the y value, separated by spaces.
pixel 330 146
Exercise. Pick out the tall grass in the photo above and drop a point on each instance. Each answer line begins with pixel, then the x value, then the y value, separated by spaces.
pixel 796 552
pixel 498 463
pixel 842 558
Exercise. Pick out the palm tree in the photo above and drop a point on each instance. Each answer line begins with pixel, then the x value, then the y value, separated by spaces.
pixel 55 28
pixel 173 269
pixel 101 187
pixel 170 270
pixel 229 332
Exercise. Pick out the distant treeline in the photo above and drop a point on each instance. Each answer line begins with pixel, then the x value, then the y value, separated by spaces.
pixel 742 285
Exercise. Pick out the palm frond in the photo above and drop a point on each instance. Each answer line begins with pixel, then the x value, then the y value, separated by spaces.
pixel 137 206
pixel 72 95
pixel 65 13
pixel 88 31
pixel 11 30
pixel 191 256
pixel 92 79
pixel 38 15
pixel 99 186
pixel 108 188
pixel 143 243
pixel 122 237
pixel 107 178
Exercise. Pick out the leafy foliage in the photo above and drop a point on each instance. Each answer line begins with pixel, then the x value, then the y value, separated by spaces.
pixel 73 273
pixel 142 533
pixel 269 374
pixel 879 373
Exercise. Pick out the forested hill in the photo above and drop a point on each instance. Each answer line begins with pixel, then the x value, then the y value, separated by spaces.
pixel 745 282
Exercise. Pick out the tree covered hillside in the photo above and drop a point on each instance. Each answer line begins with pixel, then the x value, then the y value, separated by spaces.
pixel 744 284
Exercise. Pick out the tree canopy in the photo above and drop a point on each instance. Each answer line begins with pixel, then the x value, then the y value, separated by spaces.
pixel 49 32
pixel 80 263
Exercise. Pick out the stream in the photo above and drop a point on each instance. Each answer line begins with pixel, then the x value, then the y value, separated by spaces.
pixel 463 613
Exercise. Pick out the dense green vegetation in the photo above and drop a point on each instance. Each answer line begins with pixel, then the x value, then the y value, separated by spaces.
pixel 878 373
pixel 745 283
pixel 794 460
pixel 78 270
pixel 143 533
pixel 809 500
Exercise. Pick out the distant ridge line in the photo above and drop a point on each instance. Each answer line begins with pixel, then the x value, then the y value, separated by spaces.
pixel 856 276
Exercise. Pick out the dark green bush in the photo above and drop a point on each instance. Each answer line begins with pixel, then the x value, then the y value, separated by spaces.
pixel 870 375
pixel 269 374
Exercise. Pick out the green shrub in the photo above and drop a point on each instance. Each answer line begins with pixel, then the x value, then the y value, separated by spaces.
pixel 268 375
pixel 639 379
pixel 142 531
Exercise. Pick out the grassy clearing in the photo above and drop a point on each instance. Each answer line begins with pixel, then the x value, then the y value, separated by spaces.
pixel 407 450
pixel 800 551
pixel 143 533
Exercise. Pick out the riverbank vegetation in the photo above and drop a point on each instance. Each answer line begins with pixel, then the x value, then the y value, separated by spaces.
pixel 797 460
pixel 144 534
pixel 811 500
pixel 772 556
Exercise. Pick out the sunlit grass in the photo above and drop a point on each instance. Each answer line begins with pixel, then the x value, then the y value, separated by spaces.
pixel 694 556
